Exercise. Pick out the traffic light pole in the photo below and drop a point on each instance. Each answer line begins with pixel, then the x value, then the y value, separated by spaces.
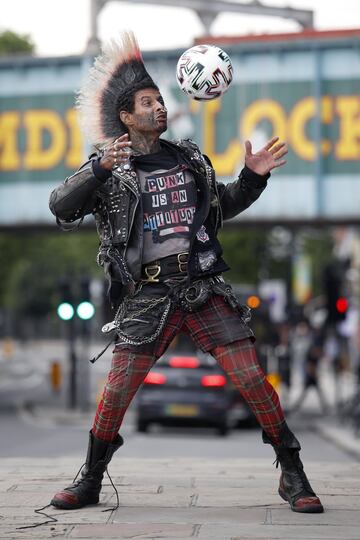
pixel 72 365
pixel 84 366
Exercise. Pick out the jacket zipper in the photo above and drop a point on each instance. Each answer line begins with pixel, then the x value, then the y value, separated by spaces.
pixel 130 187
pixel 218 210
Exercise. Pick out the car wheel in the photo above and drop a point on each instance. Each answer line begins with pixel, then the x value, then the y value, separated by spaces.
pixel 223 430
pixel 142 426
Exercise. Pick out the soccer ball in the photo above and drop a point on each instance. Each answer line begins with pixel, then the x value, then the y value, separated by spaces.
pixel 204 72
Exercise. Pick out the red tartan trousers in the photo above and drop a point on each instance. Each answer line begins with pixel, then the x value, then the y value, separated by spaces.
pixel 209 329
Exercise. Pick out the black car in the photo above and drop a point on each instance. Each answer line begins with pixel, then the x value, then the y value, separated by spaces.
pixel 185 388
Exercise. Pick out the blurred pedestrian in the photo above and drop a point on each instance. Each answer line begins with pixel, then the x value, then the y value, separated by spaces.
pixel 283 355
pixel 311 373
pixel 158 208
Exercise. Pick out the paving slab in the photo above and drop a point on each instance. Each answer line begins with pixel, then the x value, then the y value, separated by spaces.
pixel 135 530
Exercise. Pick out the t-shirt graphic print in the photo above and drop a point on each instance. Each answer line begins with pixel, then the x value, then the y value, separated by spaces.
pixel 169 200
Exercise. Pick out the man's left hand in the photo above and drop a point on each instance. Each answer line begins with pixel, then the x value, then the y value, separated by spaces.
pixel 267 158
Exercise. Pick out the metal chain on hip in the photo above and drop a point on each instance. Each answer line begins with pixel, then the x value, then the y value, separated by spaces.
pixel 149 304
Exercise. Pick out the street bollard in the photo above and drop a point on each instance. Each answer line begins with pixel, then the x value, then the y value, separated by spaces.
pixel 55 375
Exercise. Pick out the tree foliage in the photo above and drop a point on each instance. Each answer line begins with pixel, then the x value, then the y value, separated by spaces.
pixel 243 251
pixel 33 265
pixel 12 43
pixel 249 255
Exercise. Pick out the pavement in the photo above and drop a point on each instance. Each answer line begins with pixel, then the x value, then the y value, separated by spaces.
pixel 179 499
pixel 341 433
pixel 182 498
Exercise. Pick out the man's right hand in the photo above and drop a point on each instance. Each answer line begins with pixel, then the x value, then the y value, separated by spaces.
pixel 116 152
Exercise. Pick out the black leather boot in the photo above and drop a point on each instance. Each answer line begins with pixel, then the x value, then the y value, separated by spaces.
pixel 294 486
pixel 86 490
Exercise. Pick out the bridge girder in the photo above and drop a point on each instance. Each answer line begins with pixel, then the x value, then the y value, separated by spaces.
pixel 207 11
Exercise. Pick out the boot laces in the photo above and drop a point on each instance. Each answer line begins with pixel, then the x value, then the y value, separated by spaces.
pixel 40 511
pixel 52 519
pixel 112 483
pixel 79 471
pixel 76 483
pixel 116 493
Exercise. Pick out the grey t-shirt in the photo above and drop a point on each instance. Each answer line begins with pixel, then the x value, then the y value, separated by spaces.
pixel 168 200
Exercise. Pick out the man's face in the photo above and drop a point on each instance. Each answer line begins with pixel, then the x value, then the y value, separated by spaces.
pixel 149 114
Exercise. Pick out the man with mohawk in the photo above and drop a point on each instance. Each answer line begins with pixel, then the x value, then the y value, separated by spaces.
pixel 157 214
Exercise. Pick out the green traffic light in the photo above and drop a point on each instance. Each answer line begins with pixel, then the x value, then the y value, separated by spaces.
pixel 85 310
pixel 65 311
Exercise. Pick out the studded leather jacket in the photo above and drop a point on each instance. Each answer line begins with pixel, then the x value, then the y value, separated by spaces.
pixel 116 206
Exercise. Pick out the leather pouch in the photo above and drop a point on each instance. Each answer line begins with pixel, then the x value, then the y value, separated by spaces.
pixel 142 316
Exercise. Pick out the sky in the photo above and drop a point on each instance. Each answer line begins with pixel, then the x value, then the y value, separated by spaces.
pixel 62 27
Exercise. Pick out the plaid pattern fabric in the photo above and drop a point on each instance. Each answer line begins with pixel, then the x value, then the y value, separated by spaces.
pixel 240 362
pixel 127 373
pixel 238 359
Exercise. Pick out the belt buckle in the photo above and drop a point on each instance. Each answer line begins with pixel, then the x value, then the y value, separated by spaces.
pixel 181 263
pixel 152 272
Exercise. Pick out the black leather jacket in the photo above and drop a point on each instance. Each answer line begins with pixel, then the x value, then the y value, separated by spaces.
pixel 116 205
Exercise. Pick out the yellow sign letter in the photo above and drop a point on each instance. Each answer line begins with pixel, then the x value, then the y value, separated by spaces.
pixel 37 123
pixel 9 155
pixel 348 146
pixel 264 109
pixel 302 113
pixel 74 156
